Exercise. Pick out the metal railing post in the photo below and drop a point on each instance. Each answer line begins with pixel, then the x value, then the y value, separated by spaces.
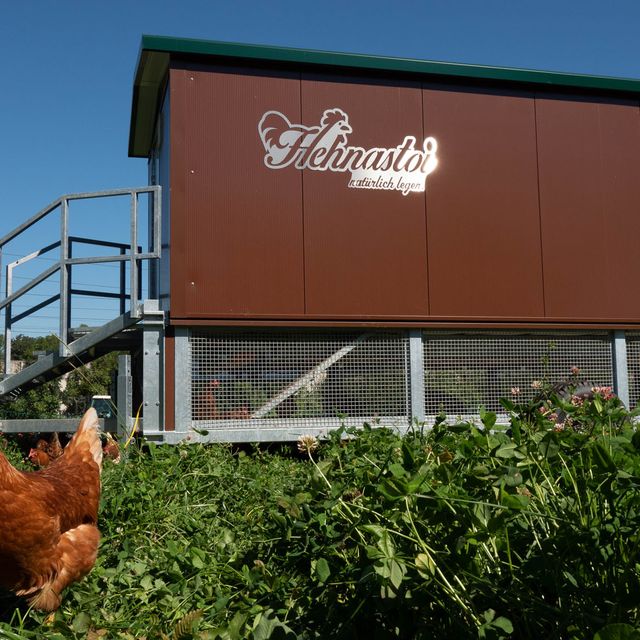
pixel 157 235
pixel 64 277
pixel 7 324
pixel 133 286
pixel 123 283
pixel 69 282
pixel 151 238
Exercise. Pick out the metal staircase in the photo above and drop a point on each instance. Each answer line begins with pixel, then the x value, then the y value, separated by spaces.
pixel 121 333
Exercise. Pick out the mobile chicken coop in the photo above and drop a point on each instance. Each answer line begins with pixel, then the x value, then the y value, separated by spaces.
pixel 340 238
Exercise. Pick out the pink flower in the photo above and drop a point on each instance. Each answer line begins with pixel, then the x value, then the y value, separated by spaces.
pixel 577 401
pixel 536 384
pixel 605 392
pixel 559 426
pixel 515 391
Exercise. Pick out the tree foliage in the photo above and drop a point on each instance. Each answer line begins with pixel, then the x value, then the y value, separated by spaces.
pixel 69 396
pixel 89 380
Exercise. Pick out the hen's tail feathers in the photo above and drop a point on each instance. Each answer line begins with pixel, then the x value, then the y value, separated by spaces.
pixel 88 434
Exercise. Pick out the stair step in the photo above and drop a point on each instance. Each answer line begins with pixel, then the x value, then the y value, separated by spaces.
pixel 117 334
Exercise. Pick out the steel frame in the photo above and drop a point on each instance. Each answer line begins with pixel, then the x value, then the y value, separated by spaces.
pixel 49 425
pixel 128 253
pixel 258 428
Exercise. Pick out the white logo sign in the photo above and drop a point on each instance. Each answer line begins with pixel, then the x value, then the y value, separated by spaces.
pixel 324 148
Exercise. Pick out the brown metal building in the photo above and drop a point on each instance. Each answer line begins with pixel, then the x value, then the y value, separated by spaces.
pixel 531 210
pixel 516 249
pixel 347 238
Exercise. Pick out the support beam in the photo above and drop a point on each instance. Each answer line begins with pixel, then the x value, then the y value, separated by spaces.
pixel 416 376
pixel 153 365
pixel 183 380
pixel 124 396
pixel 65 272
pixel 46 425
pixel 620 367
pixel 52 365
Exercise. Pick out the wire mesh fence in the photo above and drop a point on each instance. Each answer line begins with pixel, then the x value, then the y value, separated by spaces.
pixel 296 378
pixel 466 371
pixel 279 378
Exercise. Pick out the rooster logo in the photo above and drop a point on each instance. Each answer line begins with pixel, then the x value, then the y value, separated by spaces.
pixel 287 143
pixel 403 168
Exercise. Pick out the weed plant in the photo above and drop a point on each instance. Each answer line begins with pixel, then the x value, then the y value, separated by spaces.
pixel 462 530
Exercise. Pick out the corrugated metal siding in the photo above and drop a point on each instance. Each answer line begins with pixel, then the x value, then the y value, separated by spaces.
pixel 590 200
pixel 482 205
pixel 365 250
pixel 250 242
pixel 237 227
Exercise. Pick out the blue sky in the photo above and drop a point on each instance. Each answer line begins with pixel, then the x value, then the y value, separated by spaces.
pixel 67 70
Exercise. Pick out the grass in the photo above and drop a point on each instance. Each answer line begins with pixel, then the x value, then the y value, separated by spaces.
pixel 175 521
pixel 465 530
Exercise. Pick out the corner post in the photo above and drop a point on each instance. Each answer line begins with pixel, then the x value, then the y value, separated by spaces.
pixel 416 375
pixel 152 366
pixel 620 366
pixel 183 378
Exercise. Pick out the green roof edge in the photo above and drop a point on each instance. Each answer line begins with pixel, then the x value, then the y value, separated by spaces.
pixel 180 46
pixel 407 65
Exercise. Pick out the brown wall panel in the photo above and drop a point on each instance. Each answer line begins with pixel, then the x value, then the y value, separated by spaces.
pixel 365 250
pixel 482 206
pixel 590 207
pixel 531 214
pixel 237 228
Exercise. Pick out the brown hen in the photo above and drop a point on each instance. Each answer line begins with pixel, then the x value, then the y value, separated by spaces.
pixel 48 533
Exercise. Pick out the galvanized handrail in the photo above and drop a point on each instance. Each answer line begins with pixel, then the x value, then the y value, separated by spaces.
pixel 131 253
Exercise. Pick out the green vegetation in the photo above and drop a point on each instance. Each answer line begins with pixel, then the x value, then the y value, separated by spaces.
pixel 53 399
pixel 530 530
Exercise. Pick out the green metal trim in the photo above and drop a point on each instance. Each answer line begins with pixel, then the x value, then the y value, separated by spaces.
pixel 400 65
pixel 155 51
pixel 147 87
